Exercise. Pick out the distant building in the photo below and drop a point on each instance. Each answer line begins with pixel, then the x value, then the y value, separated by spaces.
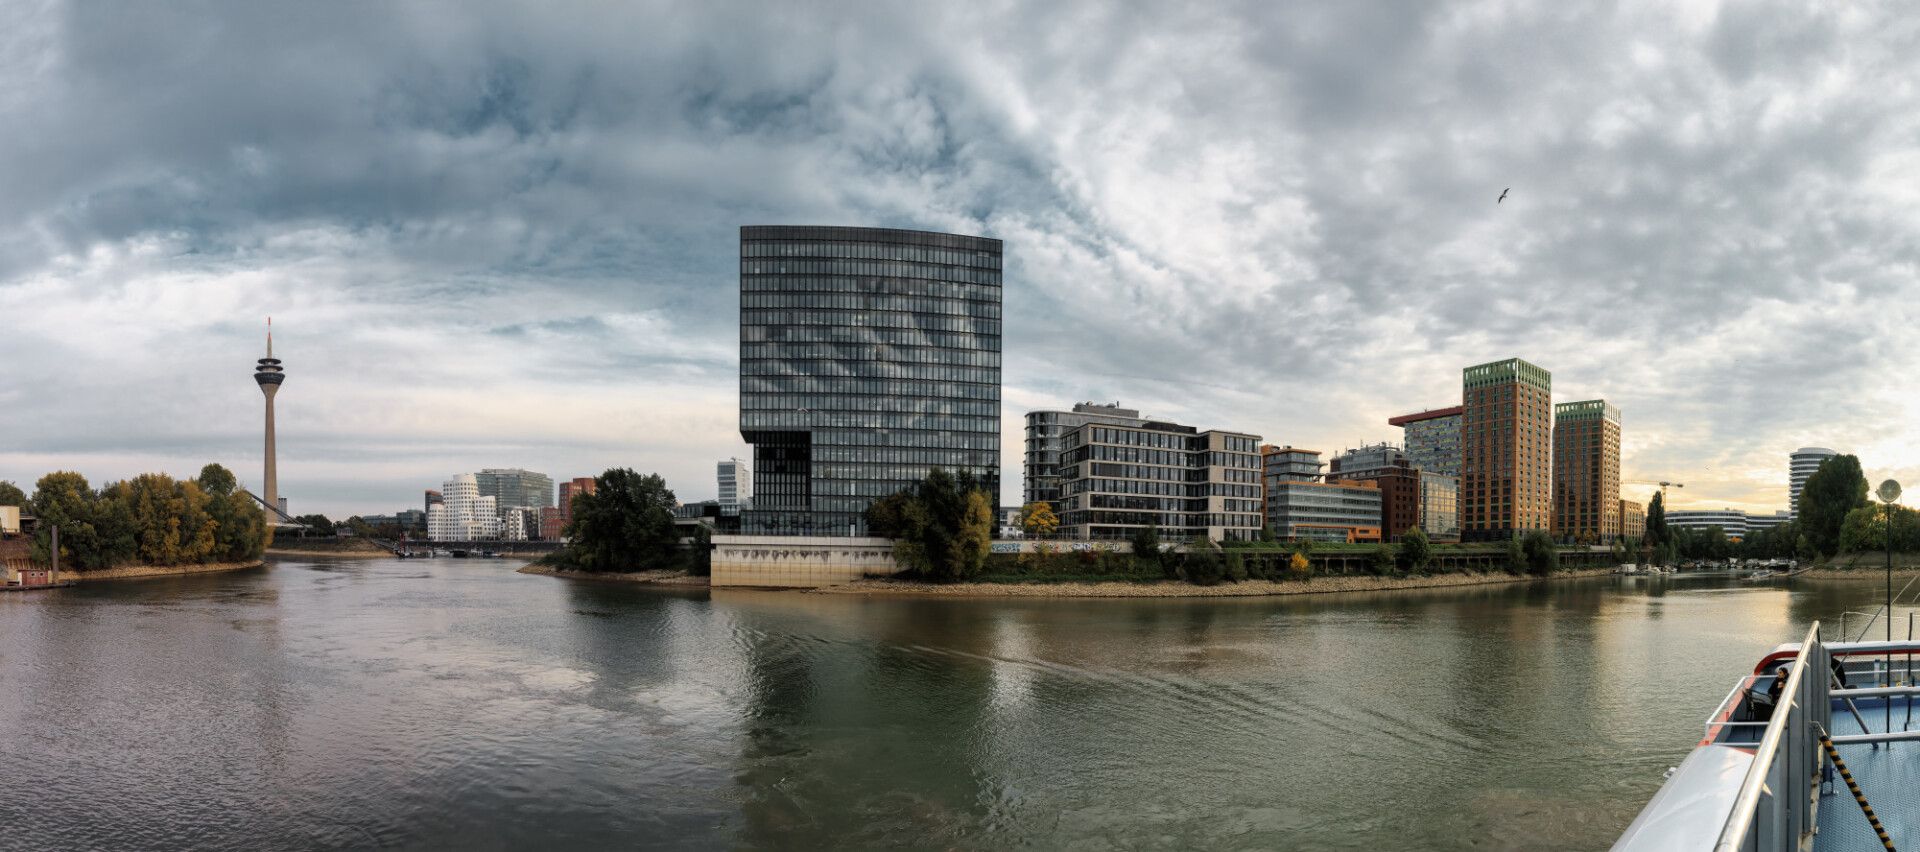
pixel 1506 438
pixel 1118 479
pixel 1633 520
pixel 1586 476
pixel 1756 523
pixel 432 498
pixel 465 515
pixel 1440 506
pixel 1433 439
pixel 1297 505
pixel 736 483
pixel 553 520
pixel 283 508
pixel 1041 482
pixel 514 488
pixel 868 357
pixel 1732 522
pixel 1800 465
pixel 1399 481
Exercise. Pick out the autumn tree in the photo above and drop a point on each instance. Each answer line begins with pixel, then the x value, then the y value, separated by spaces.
pixel 1038 520
pixel 941 527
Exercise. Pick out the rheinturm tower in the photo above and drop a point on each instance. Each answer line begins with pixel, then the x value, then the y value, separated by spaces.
pixel 269 376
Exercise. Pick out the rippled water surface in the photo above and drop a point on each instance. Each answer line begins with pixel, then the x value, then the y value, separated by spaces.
pixel 454 704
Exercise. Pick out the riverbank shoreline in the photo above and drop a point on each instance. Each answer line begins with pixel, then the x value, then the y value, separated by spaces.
pixel 142 572
pixel 881 586
pixel 1177 589
pixel 651 578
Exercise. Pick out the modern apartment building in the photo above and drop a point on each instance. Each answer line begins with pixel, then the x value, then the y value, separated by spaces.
pixel 465 515
pixel 1633 520
pixel 1586 471
pixel 1732 522
pixel 1433 439
pixel 1800 465
pixel 1041 480
pixel 1506 444
pixel 1298 505
pixel 1399 482
pixel 736 484
pixel 868 356
pixel 514 488
pixel 1117 479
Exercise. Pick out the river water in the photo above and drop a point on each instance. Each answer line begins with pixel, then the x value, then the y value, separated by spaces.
pixel 455 704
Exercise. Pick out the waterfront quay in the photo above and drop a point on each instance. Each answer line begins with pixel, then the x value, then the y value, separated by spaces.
pixel 456 704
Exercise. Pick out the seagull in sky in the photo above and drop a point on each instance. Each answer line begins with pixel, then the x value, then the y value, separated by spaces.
pixel 1503 196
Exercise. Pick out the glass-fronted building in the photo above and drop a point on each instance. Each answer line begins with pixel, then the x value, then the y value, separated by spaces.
pixel 1433 439
pixel 514 488
pixel 868 356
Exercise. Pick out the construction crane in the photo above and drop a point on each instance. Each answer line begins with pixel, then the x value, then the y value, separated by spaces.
pixel 1663 486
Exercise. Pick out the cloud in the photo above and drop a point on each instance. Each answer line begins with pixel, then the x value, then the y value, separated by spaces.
pixel 505 234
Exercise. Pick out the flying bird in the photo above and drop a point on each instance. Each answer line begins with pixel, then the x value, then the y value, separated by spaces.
pixel 1503 196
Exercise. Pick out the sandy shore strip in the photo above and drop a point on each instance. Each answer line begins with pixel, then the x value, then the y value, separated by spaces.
pixel 328 554
pixel 656 578
pixel 138 572
pixel 1177 589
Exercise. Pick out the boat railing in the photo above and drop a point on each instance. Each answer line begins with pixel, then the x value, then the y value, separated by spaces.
pixel 1773 810
pixel 1725 717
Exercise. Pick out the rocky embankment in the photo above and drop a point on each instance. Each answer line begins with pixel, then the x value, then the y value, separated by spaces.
pixel 136 572
pixel 658 578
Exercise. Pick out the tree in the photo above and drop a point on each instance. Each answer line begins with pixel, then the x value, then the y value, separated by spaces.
pixel 1866 529
pixel 1516 557
pixel 1835 489
pixel 1299 567
pixel 1543 558
pixel 320 524
pixel 1203 562
pixel 1267 534
pixel 1237 567
pixel 624 525
pixel 1146 545
pixel 11 495
pixel 1657 533
pixel 700 555
pixel 941 527
pixel 1415 551
pixel 1380 559
pixel 1037 519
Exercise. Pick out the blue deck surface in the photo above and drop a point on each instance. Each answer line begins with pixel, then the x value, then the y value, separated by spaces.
pixel 1889 777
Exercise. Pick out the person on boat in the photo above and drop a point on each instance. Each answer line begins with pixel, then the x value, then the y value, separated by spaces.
pixel 1778 686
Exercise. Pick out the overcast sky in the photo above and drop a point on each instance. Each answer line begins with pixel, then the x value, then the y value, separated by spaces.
pixel 506 235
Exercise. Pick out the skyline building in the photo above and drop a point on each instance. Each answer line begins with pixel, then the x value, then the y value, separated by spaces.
pixel 868 357
pixel 1633 519
pixel 1117 479
pixel 1432 439
pixel 465 515
pixel 736 483
pixel 268 374
pixel 515 488
pixel 1298 505
pixel 1505 431
pixel 1040 482
pixel 1801 463
pixel 1586 472
pixel 1389 468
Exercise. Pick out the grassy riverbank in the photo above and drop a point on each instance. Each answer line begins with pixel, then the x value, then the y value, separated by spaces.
pixel 139 572
pixel 310 547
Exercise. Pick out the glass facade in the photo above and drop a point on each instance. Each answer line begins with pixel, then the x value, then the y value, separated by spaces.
pixel 1433 440
pixel 1440 506
pixel 868 356
pixel 513 488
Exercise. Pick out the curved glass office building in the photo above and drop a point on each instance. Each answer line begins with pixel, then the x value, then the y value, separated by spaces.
pixel 868 356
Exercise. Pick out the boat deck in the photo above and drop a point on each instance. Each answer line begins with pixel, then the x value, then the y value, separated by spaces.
pixel 1889 776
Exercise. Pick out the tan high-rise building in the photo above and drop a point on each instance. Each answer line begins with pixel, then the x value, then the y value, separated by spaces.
pixel 1506 431
pixel 1586 471
pixel 1633 519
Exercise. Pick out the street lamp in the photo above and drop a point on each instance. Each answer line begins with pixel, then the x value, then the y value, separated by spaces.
pixel 1888 492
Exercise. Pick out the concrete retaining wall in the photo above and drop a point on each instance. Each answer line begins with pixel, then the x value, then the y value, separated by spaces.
pixel 804 561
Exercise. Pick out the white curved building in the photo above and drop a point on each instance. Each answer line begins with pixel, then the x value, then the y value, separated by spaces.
pixel 1800 465
pixel 465 515
pixel 1732 522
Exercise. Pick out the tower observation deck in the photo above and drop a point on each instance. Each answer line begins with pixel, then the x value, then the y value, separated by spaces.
pixel 268 374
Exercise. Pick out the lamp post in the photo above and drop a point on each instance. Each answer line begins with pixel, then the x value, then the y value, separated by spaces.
pixel 1888 492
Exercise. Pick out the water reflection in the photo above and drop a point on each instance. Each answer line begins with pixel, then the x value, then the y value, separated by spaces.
pixel 456 704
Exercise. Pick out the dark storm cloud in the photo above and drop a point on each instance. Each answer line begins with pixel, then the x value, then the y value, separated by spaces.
pixel 506 234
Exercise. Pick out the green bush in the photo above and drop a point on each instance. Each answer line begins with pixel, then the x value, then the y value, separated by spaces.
pixel 1203 566
pixel 1236 568
pixel 1416 553
pixel 1516 557
pixel 1543 557
pixel 1380 561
